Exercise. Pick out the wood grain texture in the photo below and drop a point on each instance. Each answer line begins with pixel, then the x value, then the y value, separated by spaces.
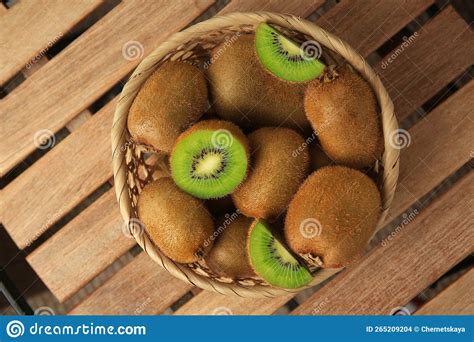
pixel 209 303
pixel 71 88
pixel 381 20
pixel 31 26
pixel 392 274
pixel 301 8
pixel 140 288
pixel 457 299
pixel 440 144
pixel 59 181
pixel 87 245
pixel 78 120
pixel 442 50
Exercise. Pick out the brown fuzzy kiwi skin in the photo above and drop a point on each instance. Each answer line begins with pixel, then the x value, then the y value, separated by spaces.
pixel 343 112
pixel 179 224
pixel 228 257
pixel 344 206
pixel 172 98
pixel 248 95
pixel 279 166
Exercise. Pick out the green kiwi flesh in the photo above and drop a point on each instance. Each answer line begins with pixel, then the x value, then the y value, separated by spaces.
pixel 272 261
pixel 171 99
pixel 228 257
pixel 333 216
pixel 176 222
pixel 283 57
pixel 210 159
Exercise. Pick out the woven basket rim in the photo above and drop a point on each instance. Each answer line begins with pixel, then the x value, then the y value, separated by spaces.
pixel 390 159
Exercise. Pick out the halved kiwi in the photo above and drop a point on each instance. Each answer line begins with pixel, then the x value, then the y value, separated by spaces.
pixel 176 222
pixel 343 112
pixel 210 159
pixel 272 261
pixel 172 98
pixel 285 58
pixel 332 216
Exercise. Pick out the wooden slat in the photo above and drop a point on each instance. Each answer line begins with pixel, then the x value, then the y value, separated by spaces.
pixel 383 19
pixel 443 50
pixel 453 110
pixel 57 92
pixel 440 144
pixel 457 299
pixel 89 243
pixel 141 287
pixel 32 26
pixel 210 303
pixel 59 181
pixel 79 120
pixel 302 8
pixel 420 253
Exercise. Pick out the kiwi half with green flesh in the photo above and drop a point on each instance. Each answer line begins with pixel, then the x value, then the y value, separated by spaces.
pixel 171 99
pixel 210 159
pixel 283 57
pixel 248 95
pixel 176 222
pixel 228 257
pixel 272 261
pixel 343 112
pixel 333 216
pixel 280 163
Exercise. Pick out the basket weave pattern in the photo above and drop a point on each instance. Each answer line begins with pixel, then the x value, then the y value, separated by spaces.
pixel 134 166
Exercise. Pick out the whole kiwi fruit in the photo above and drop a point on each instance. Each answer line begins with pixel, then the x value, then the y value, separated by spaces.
pixel 279 166
pixel 342 109
pixel 179 224
pixel 228 257
pixel 248 95
pixel 170 100
pixel 332 216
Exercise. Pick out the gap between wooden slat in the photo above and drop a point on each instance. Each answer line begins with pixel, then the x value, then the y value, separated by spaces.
pixel 456 299
pixel 146 289
pixel 72 88
pixel 87 245
pixel 31 26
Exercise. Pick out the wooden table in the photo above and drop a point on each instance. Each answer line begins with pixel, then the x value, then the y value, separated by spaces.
pixel 66 189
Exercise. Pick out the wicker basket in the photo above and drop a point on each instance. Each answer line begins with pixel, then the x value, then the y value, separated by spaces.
pixel 134 166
